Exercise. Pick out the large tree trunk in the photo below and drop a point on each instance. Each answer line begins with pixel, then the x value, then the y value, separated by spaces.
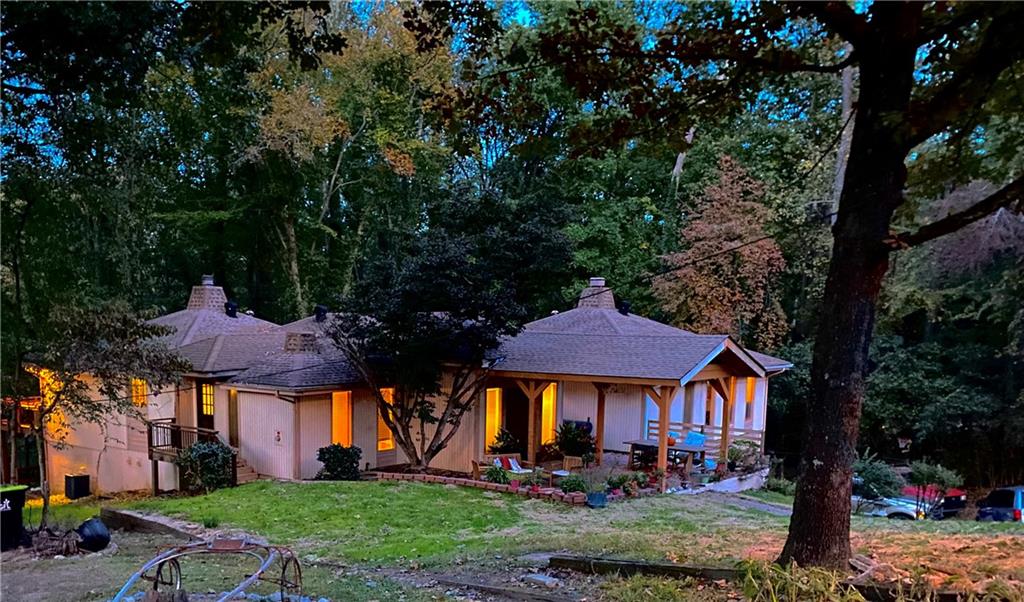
pixel 819 531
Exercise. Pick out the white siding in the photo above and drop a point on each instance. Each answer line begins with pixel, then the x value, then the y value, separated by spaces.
pixel 364 426
pixel 314 433
pixel 760 403
pixel 623 416
pixel 266 433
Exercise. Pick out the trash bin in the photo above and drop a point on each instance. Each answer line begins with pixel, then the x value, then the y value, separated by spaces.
pixel 76 486
pixel 12 500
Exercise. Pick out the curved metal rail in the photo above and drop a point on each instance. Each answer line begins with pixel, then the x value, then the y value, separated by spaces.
pixel 164 568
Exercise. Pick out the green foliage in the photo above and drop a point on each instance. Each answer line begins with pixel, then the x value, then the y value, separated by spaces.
pixel 504 443
pixel 745 453
pixel 923 474
pixel 573 440
pixel 781 485
pixel 573 483
pixel 877 475
pixel 497 474
pixel 618 481
pixel 206 466
pixel 340 463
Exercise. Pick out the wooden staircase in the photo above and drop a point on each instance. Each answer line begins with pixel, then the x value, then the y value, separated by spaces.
pixel 243 472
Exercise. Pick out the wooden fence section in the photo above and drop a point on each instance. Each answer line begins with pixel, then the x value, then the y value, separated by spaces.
pixel 713 434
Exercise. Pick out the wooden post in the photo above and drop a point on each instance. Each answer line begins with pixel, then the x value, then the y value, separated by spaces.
pixel 663 397
pixel 532 390
pixel 602 388
pixel 725 390
pixel 156 478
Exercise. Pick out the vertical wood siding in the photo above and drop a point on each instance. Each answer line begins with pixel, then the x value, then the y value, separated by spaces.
pixel 314 433
pixel 261 416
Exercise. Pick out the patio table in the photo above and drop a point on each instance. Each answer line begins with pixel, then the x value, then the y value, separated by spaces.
pixel 674 452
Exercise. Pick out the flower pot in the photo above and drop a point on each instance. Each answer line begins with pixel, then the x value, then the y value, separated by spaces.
pixel 514 483
pixel 616 491
pixel 597 499
pixel 535 488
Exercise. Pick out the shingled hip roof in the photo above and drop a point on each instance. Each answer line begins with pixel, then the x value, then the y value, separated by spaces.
pixel 599 342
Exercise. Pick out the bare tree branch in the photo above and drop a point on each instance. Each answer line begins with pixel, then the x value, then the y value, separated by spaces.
pixel 1011 195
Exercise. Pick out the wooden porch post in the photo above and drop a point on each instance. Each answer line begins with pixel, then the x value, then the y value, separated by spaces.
pixel 725 388
pixel 663 397
pixel 602 388
pixel 532 389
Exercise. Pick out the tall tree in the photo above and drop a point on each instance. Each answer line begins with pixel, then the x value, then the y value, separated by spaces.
pixel 426 320
pixel 928 73
pixel 84 378
pixel 723 279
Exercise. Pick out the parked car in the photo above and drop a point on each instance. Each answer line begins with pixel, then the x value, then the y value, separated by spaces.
pixel 1003 504
pixel 949 506
pixel 866 501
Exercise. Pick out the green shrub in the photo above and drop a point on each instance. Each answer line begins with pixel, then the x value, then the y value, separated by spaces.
pixel 781 485
pixel 205 466
pixel 210 522
pixel 640 478
pixel 549 451
pixel 573 483
pixel 497 474
pixel 340 463
pixel 573 440
pixel 878 476
pixel 618 481
pixel 504 443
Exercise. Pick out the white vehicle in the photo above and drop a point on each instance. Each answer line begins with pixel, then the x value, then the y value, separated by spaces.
pixel 867 502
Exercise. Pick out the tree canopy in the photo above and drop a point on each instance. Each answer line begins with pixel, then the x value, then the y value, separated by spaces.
pixel 838 184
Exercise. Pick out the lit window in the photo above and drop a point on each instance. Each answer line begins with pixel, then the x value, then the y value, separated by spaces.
pixel 748 416
pixel 140 393
pixel 493 415
pixel 385 438
pixel 341 418
pixel 547 413
pixel 207 405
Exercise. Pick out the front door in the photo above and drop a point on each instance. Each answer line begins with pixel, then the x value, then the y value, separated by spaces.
pixel 204 405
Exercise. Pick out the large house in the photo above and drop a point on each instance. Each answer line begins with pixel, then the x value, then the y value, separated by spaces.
pixel 279 393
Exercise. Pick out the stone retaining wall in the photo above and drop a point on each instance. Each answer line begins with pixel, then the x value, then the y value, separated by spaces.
pixel 546 493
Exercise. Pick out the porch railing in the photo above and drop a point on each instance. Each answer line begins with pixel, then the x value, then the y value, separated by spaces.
pixel 166 438
pixel 713 434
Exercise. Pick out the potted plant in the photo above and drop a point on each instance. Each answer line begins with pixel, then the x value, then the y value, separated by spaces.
pixel 596 481
pixel 655 476
pixel 496 474
pixel 617 482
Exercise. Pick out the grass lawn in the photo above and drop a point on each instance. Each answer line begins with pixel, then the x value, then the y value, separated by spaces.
pixel 367 540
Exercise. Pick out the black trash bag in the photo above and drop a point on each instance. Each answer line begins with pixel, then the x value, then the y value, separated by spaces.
pixel 95 535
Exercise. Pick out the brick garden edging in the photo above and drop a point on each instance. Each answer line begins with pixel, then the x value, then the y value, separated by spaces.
pixel 546 493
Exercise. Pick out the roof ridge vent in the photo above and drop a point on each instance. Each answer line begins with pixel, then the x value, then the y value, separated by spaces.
pixel 300 342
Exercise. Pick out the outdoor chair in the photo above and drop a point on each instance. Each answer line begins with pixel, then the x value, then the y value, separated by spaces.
pixel 569 463
pixel 516 465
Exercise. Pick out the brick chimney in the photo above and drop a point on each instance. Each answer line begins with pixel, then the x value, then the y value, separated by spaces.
pixel 207 295
pixel 300 342
pixel 597 295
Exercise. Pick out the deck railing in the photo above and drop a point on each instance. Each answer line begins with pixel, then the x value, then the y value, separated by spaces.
pixel 166 438
pixel 713 434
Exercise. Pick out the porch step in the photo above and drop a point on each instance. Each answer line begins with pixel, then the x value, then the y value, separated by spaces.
pixel 244 472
